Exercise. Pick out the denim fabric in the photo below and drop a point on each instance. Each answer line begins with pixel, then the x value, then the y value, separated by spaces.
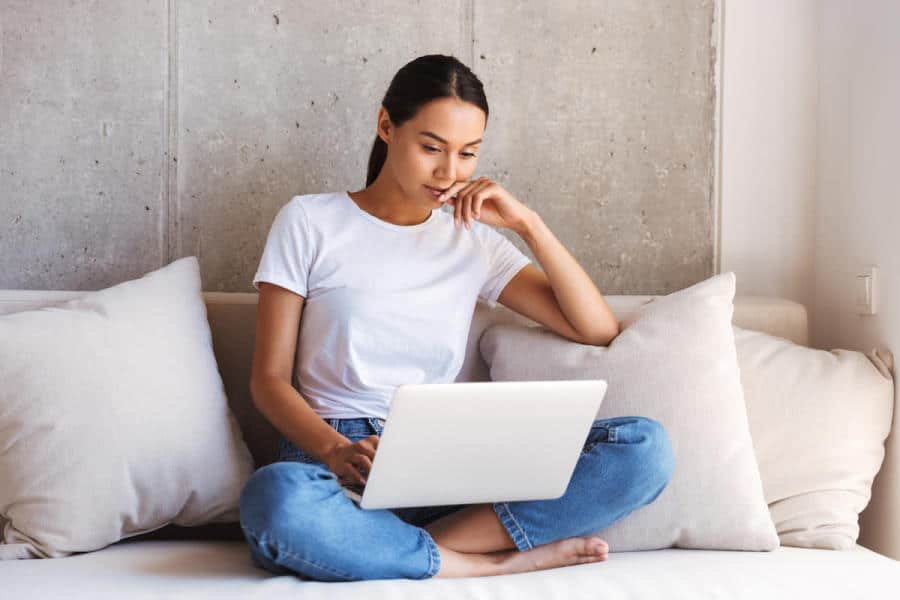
pixel 297 519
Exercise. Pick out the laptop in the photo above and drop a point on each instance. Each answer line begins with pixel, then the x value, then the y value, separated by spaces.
pixel 476 442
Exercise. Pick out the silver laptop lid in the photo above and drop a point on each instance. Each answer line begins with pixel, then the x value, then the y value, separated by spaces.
pixel 474 442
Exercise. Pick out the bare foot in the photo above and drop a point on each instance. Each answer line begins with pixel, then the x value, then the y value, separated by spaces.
pixel 570 551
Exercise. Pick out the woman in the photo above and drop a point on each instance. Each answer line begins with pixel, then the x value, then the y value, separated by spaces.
pixel 391 284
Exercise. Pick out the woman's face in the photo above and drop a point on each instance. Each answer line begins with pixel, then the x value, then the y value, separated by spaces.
pixel 434 149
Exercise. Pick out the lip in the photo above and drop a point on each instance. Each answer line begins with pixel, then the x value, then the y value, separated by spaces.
pixel 437 189
pixel 435 192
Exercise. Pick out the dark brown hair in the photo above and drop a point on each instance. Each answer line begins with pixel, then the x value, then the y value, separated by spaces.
pixel 418 82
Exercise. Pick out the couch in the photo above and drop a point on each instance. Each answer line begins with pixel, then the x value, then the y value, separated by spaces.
pixel 213 560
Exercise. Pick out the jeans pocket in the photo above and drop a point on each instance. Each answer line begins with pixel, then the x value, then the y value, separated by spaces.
pixel 599 433
pixel 377 425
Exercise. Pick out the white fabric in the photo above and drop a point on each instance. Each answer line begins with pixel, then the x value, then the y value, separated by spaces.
pixel 818 420
pixel 385 304
pixel 224 570
pixel 675 362
pixel 114 419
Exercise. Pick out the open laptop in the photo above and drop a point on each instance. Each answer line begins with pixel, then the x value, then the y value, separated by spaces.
pixel 474 442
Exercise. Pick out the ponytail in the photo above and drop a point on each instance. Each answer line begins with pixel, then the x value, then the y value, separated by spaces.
pixel 376 160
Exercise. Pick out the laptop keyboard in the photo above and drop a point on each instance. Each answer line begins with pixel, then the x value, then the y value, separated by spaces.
pixel 353 491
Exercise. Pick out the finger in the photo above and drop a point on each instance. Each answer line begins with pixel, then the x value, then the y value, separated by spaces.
pixel 456 189
pixel 346 475
pixel 480 198
pixel 458 204
pixel 366 447
pixel 453 189
pixel 473 201
pixel 362 462
pixel 462 201
pixel 465 202
pixel 352 475
pixel 465 199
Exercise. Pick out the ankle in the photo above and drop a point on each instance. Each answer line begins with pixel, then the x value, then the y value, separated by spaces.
pixel 465 564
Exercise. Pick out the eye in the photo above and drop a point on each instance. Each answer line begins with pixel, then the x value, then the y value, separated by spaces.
pixel 431 148
pixel 469 155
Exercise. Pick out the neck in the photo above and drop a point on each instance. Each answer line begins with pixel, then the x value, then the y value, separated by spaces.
pixel 385 199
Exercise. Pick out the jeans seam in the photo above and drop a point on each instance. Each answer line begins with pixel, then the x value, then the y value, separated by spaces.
pixel 376 426
pixel 520 538
pixel 291 555
pixel 434 555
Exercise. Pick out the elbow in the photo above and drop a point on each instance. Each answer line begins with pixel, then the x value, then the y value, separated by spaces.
pixel 603 337
pixel 255 393
pixel 260 390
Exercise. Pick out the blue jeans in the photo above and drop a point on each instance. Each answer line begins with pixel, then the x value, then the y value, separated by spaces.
pixel 297 519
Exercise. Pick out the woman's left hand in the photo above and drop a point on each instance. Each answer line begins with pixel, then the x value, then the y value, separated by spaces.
pixel 486 201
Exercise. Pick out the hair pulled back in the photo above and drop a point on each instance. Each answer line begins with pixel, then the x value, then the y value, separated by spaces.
pixel 418 82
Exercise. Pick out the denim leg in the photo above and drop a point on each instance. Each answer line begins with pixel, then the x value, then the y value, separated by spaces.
pixel 296 518
pixel 626 463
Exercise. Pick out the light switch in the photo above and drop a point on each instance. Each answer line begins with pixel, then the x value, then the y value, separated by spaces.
pixel 866 291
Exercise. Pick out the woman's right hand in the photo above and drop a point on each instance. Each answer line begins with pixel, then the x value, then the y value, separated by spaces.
pixel 352 461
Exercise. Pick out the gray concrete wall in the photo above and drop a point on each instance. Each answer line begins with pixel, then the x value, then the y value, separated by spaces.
pixel 134 134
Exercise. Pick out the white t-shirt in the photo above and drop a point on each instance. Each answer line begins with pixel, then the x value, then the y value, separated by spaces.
pixel 385 304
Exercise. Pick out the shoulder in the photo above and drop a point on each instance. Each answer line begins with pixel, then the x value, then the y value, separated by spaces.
pixel 310 206
pixel 307 202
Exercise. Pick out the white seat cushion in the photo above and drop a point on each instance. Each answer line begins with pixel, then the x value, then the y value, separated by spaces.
pixel 224 570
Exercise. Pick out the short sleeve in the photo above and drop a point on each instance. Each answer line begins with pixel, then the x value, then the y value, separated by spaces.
pixel 288 252
pixel 504 261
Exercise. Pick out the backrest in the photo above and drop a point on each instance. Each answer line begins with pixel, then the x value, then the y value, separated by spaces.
pixel 232 319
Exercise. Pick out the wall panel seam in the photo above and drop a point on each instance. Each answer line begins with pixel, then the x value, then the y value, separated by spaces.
pixel 470 32
pixel 171 237
pixel 719 32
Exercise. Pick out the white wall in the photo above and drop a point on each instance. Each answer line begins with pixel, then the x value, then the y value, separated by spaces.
pixel 810 123
pixel 858 206
pixel 769 146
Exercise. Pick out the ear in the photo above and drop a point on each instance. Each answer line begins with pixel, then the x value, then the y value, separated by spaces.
pixel 385 129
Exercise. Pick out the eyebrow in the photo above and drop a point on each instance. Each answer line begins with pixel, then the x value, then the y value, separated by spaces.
pixel 443 141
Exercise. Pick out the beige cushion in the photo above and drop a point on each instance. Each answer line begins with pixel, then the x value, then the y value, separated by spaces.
pixel 818 420
pixel 113 418
pixel 675 362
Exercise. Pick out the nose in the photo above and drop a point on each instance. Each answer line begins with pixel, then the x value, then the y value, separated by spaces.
pixel 446 170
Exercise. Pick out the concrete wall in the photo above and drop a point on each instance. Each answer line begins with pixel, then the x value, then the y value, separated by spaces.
pixel 134 134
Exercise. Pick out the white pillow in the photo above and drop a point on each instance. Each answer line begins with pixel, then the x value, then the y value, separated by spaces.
pixel 675 362
pixel 818 420
pixel 114 419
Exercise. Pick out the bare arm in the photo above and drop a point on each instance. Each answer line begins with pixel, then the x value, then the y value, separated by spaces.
pixel 277 327
pixel 563 297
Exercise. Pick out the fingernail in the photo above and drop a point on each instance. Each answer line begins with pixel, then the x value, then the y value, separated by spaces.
pixel 468 226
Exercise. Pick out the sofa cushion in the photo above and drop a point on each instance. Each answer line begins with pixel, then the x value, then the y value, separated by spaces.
pixel 819 420
pixel 185 570
pixel 113 418
pixel 674 362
